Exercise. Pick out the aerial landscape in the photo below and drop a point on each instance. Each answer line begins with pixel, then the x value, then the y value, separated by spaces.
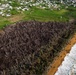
pixel 37 37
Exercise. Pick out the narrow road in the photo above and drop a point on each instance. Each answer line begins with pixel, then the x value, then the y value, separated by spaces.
pixel 58 60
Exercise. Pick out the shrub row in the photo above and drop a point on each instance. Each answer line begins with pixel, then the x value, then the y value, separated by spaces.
pixel 27 48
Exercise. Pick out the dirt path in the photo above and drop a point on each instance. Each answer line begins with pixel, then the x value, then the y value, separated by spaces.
pixel 15 18
pixel 58 60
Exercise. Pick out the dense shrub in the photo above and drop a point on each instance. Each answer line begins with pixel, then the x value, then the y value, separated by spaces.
pixel 26 48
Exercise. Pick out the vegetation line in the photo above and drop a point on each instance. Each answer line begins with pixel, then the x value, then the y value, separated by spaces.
pixel 58 60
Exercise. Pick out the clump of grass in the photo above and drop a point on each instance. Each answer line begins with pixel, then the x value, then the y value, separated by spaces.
pixel 4 23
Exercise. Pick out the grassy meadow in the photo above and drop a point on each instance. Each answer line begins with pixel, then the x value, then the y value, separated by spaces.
pixel 39 14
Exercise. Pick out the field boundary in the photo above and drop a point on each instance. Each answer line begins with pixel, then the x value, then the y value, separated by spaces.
pixel 58 60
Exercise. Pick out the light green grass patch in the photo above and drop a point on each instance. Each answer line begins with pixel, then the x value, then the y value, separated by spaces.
pixel 34 13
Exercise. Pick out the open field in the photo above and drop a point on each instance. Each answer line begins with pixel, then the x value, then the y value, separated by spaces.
pixel 40 15
pixel 16 11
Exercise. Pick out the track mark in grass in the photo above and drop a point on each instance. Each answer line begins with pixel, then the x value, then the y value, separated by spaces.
pixel 15 18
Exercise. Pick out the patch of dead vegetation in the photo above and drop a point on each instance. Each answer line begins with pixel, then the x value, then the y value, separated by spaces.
pixel 28 47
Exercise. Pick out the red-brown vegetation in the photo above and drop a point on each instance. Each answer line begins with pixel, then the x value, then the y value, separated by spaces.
pixel 26 48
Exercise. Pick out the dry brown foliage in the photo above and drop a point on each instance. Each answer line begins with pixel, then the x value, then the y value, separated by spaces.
pixel 26 48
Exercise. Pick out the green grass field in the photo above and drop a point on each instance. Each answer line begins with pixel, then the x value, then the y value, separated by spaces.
pixel 39 15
